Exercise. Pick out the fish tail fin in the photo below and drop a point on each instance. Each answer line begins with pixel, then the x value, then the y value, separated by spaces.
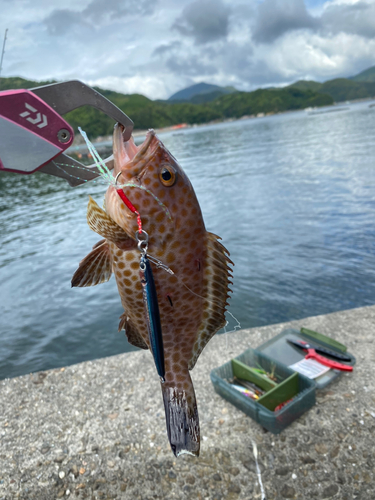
pixel 181 415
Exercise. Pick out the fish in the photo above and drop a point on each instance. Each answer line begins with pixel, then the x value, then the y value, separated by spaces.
pixel 191 270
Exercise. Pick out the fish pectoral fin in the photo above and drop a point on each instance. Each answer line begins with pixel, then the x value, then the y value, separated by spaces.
pixel 100 222
pixel 99 243
pixel 95 268
pixel 134 337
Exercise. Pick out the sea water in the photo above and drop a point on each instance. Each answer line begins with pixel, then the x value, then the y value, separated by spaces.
pixel 292 196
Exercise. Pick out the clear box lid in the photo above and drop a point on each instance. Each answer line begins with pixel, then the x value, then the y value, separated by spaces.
pixel 280 350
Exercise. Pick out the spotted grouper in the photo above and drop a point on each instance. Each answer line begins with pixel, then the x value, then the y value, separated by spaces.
pixel 192 286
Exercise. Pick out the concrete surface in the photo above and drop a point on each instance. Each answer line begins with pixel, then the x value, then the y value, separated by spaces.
pixel 96 430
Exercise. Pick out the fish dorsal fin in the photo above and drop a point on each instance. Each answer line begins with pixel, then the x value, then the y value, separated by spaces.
pixel 100 222
pixel 134 337
pixel 95 268
pixel 216 293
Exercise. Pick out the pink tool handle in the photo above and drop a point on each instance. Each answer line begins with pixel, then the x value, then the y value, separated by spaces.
pixel 312 354
pixel 32 133
pixel 29 111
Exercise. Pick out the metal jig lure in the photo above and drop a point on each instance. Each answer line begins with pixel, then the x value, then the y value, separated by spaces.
pixel 150 300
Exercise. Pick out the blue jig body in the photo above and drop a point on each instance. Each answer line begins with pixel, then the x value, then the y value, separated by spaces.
pixel 150 301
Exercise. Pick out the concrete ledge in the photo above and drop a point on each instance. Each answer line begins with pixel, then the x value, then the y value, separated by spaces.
pixel 96 430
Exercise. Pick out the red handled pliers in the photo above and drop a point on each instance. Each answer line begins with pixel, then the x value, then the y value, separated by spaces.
pixel 313 350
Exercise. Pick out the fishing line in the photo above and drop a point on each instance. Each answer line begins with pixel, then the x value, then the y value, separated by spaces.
pixel 130 184
pixel 217 303
pixel 102 167
pixel 60 165
pixel 235 319
pixel 106 174
pixel 238 325
pixel 102 179
pixel 159 264
pixel 226 334
pixel 259 475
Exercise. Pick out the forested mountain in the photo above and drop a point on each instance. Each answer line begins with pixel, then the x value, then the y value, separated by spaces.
pixel 201 92
pixel 340 89
pixel 368 75
pixel 208 102
pixel 268 101
pixel 157 114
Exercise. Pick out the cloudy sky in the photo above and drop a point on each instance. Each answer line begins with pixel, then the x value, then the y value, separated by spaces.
pixel 160 46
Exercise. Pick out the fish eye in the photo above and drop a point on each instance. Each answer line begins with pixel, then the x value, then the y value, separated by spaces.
pixel 167 175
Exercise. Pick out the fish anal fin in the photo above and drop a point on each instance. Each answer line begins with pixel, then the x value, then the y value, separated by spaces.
pixel 216 293
pixel 100 222
pixel 95 268
pixel 132 334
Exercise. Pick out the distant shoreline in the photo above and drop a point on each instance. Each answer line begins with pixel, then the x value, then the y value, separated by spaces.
pixel 79 144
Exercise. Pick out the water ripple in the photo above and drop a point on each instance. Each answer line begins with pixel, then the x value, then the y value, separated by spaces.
pixel 293 197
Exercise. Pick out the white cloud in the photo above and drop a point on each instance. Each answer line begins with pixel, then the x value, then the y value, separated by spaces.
pixel 134 46
pixel 357 18
pixel 204 21
pixel 147 86
pixel 274 18
pixel 312 56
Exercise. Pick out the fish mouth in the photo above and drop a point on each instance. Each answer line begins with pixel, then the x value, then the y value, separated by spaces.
pixel 130 160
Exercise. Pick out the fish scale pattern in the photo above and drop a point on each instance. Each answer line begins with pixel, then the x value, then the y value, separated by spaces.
pixel 192 298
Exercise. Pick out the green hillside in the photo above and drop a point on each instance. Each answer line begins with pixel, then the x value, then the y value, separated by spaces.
pixel 365 76
pixel 342 89
pixel 208 97
pixel 210 103
pixel 202 90
pixel 268 101
pixel 15 82
pixel 157 114
pixel 306 85
pixel 144 113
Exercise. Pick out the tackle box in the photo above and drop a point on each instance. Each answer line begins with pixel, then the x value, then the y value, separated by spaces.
pixel 292 395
